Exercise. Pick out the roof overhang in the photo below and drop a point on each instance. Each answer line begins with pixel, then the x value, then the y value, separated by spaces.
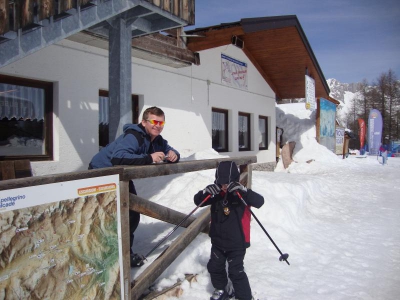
pixel 278 48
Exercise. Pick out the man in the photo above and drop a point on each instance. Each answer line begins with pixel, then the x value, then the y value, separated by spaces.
pixel 140 144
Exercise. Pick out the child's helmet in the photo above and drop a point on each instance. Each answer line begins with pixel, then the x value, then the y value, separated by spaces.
pixel 226 172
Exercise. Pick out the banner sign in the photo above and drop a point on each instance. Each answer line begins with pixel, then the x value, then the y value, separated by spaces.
pixel 62 240
pixel 310 93
pixel 233 72
pixel 339 140
pixel 374 131
pixel 361 132
pixel 327 124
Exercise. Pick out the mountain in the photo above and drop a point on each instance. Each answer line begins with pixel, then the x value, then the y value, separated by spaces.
pixel 344 93
pixel 339 89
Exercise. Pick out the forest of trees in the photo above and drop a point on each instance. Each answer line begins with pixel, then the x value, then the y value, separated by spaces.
pixel 383 95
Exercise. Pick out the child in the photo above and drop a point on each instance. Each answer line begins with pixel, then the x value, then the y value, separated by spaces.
pixel 230 230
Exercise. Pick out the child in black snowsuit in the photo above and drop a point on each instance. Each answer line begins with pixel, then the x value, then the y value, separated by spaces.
pixel 230 229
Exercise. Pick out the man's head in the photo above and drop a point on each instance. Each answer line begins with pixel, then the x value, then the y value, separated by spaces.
pixel 153 121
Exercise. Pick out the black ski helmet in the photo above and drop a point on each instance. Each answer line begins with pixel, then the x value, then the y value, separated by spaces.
pixel 226 172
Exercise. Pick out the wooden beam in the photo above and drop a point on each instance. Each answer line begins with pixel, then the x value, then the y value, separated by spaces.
pixel 4 16
pixel 152 272
pixel 164 46
pixel 136 172
pixel 54 178
pixel 160 212
pixel 126 172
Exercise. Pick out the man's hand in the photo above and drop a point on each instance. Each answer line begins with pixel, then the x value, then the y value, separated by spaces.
pixel 158 157
pixel 171 156
pixel 236 186
pixel 212 189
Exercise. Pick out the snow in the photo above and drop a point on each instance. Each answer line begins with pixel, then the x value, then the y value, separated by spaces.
pixel 338 219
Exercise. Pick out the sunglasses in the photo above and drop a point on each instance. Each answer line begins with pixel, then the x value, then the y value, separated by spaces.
pixel 155 122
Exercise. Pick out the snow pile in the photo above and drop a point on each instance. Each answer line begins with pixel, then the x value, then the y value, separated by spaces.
pixel 337 218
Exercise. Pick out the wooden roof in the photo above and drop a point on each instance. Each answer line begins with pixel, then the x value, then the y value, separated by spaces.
pixel 278 48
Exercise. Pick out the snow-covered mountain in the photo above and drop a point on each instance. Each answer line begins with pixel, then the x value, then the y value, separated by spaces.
pixel 344 93
pixel 339 89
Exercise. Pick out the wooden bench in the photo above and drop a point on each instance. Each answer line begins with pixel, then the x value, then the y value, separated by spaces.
pixel 12 169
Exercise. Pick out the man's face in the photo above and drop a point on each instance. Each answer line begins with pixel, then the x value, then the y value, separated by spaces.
pixel 153 130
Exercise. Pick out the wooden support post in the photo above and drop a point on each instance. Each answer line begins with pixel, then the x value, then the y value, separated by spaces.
pixel 162 213
pixel 22 168
pixel 7 170
pixel 125 237
pixel 249 175
pixel 150 275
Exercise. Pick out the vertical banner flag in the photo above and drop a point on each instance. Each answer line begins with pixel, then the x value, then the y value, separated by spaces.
pixel 374 131
pixel 233 72
pixel 310 93
pixel 361 132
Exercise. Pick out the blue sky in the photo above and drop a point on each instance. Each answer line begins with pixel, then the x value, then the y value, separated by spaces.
pixel 351 39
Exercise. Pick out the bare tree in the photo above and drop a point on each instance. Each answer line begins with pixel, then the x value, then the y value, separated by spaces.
pixel 382 87
pixel 364 89
pixel 392 101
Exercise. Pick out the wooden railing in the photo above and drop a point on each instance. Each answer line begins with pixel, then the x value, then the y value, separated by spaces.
pixel 26 14
pixel 139 285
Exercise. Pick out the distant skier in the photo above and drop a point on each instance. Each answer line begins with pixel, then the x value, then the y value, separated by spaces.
pixel 229 231
pixel 384 153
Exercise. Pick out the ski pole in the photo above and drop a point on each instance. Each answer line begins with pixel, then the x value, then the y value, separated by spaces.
pixel 173 230
pixel 284 256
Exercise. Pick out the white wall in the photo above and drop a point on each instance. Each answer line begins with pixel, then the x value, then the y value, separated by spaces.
pixel 79 71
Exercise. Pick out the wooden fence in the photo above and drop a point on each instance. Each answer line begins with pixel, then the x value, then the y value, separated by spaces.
pixel 136 287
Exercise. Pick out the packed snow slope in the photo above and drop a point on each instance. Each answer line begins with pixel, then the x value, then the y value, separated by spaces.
pixel 338 219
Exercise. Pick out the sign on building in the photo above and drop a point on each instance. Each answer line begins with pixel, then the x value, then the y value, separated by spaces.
pixel 233 72
pixel 327 124
pixel 310 93
pixel 339 139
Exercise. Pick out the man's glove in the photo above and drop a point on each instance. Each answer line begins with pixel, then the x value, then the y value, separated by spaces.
pixel 236 186
pixel 212 189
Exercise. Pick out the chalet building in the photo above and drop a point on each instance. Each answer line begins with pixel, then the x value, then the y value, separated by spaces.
pixel 69 83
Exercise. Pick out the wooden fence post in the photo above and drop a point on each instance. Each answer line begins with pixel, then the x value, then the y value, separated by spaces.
pixel 125 237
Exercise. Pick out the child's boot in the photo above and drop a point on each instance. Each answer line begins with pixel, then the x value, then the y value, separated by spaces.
pixel 219 295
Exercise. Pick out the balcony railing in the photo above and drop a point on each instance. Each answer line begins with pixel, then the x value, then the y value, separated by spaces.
pixel 30 14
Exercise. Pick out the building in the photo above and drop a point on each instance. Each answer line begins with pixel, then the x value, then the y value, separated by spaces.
pixel 218 90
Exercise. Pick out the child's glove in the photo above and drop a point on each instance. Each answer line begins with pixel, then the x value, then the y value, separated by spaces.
pixel 236 186
pixel 212 189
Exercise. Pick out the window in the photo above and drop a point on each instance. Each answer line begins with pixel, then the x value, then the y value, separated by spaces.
pixel 104 114
pixel 220 130
pixel 26 119
pixel 244 131
pixel 263 138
